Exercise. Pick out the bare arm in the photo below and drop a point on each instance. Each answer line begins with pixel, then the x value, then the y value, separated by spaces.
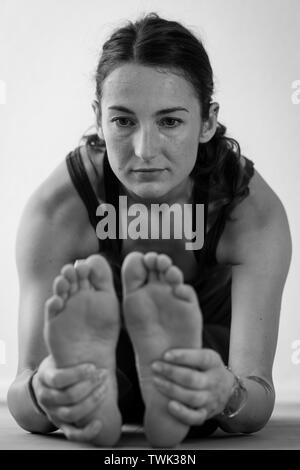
pixel 262 255
pixel 49 236
pixel 257 245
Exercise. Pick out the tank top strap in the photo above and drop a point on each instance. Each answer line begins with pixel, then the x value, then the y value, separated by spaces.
pixel 112 188
pixel 214 237
pixel 200 196
pixel 218 227
pixel 82 184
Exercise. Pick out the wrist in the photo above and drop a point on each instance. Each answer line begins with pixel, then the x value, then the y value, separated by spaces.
pixel 256 411
pixel 32 391
pixel 237 399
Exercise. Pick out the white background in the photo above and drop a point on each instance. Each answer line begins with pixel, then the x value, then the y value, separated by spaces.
pixel 48 54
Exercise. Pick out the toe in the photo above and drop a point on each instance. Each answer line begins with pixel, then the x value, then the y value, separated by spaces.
pixel 61 287
pixel 185 292
pixel 150 261
pixel 53 306
pixel 69 272
pixel 134 272
pixel 173 275
pixel 100 274
pixel 83 270
pixel 163 263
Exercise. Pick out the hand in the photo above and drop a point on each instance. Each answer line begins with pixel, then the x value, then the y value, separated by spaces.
pixel 197 383
pixel 69 396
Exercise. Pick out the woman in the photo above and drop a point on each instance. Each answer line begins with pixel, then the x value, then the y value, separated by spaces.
pixel 143 329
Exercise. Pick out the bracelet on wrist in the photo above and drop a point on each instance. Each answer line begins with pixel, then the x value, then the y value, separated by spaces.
pixel 238 398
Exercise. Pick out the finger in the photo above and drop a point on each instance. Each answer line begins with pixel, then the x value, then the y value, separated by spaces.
pixel 185 376
pixel 61 378
pixel 187 415
pixel 193 399
pixel 73 394
pixel 75 413
pixel 86 434
pixel 202 359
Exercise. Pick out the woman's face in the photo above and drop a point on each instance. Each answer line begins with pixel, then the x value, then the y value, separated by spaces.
pixel 151 124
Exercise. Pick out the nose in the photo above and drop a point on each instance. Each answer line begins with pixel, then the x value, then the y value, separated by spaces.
pixel 146 143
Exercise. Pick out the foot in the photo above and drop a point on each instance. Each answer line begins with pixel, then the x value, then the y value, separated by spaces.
pixel 82 325
pixel 160 313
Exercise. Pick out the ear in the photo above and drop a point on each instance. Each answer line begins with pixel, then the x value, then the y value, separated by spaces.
pixel 97 111
pixel 209 126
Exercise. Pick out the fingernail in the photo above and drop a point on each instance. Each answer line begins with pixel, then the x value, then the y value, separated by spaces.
pixel 90 369
pixel 100 376
pixel 100 395
pixel 96 425
pixel 159 381
pixel 100 391
pixel 175 405
pixel 169 355
pixel 157 366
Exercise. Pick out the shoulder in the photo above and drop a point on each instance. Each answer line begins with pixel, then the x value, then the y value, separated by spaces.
pixel 55 198
pixel 55 219
pixel 259 220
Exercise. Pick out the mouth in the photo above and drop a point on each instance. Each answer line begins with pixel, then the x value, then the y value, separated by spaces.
pixel 147 170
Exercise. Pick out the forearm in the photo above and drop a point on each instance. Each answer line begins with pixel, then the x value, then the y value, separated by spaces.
pixel 257 410
pixel 23 409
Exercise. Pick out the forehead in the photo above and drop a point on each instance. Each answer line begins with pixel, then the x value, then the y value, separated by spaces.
pixel 138 83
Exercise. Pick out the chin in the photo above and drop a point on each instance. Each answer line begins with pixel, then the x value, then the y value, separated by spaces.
pixel 150 191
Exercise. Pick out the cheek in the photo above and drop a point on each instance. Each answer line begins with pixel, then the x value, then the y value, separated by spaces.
pixel 116 155
pixel 117 166
pixel 185 159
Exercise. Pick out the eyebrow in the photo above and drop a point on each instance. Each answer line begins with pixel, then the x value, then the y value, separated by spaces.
pixel 158 113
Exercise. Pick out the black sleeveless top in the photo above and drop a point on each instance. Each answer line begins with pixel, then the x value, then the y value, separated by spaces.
pixel 213 281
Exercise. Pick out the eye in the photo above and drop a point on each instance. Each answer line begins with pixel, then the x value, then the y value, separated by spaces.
pixel 122 121
pixel 171 122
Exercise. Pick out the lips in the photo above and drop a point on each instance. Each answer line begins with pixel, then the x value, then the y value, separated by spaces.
pixel 147 170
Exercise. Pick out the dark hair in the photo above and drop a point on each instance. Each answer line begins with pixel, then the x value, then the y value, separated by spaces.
pixel 156 42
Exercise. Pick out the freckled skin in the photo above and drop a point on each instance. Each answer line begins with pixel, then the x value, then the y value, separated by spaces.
pixel 145 140
pixel 158 318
